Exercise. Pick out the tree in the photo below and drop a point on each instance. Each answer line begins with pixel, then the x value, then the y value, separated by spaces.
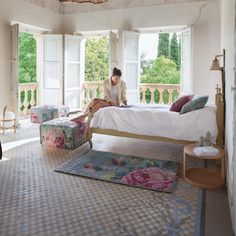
pixel 174 50
pixel 162 70
pixel 164 45
pixel 96 58
pixel 27 58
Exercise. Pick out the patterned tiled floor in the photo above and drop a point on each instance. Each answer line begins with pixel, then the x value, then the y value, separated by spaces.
pixel 35 200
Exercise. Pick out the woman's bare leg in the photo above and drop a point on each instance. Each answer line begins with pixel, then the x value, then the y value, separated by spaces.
pixel 94 106
pixel 80 118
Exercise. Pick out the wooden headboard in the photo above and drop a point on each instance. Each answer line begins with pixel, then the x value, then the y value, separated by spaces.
pixel 220 117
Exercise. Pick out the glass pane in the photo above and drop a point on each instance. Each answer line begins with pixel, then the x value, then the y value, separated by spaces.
pixel 186 80
pixel 131 76
pixel 53 49
pixel 131 44
pixel 133 97
pixel 73 50
pixel 73 75
pixel 186 46
pixel 73 99
pixel 52 97
pixel 52 75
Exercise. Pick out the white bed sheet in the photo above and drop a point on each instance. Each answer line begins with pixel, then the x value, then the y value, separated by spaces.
pixel 158 121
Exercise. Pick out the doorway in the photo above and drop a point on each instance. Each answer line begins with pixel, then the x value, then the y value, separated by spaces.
pixel 96 66
pixel 28 82
pixel 165 66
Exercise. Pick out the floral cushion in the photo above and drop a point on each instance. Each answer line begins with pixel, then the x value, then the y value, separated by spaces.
pixel 63 133
pixel 195 104
pixel 42 114
pixel 180 102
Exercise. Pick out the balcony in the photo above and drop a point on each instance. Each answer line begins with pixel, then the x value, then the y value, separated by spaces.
pixel 149 93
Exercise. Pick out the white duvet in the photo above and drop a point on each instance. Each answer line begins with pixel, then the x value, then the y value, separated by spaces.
pixel 158 121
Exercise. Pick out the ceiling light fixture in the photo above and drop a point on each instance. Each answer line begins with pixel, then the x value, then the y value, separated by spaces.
pixel 84 1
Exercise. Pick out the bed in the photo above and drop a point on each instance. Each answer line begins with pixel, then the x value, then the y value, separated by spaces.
pixel 157 123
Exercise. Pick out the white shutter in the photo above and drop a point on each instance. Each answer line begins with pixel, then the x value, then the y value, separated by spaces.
pixel 131 65
pixel 113 50
pixel 15 70
pixel 52 69
pixel 186 62
pixel 73 70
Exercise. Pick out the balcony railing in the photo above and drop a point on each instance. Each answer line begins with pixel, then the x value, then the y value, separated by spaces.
pixel 159 93
pixel 149 93
pixel 92 90
pixel 28 97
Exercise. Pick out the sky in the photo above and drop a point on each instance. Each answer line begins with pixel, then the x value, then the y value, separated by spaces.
pixel 149 45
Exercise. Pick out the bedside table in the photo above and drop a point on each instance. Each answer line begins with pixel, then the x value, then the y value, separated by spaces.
pixel 204 177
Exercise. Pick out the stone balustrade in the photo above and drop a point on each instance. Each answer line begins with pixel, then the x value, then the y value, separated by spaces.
pixel 28 97
pixel 150 93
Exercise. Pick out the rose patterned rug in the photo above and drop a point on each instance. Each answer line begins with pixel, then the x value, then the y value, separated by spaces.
pixel 158 175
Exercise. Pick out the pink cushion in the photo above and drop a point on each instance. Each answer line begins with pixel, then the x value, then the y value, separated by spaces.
pixel 179 103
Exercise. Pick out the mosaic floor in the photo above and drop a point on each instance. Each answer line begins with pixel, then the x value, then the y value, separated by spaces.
pixel 35 200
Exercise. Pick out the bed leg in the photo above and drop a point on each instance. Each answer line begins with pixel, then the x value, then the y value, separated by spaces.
pixel 89 138
pixel 91 144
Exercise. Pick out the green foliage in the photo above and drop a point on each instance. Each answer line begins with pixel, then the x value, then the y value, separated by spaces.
pixel 22 99
pixel 162 70
pixel 164 45
pixel 174 51
pixel 27 58
pixel 96 59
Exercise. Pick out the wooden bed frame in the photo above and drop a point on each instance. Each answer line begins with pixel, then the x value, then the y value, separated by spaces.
pixel 219 102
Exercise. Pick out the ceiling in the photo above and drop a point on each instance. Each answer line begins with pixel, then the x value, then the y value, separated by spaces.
pixel 67 8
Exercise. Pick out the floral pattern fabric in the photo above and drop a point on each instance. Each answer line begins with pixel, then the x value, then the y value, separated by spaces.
pixel 129 170
pixel 63 133
pixel 41 114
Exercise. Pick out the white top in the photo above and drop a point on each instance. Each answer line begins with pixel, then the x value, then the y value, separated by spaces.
pixel 114 94
pixel 146 120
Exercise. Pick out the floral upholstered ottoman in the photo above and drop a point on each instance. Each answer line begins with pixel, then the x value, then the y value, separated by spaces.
pixel 63 133
pixel 42 114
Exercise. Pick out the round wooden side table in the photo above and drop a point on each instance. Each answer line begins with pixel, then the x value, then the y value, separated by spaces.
pixel 204 177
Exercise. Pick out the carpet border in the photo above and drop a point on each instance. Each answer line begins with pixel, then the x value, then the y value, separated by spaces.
pixel 107 181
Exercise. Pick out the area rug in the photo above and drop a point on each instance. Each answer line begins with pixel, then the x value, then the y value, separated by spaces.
pixel 158 175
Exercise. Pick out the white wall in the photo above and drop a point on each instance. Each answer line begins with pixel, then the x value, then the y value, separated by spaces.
pixel 24 12
pixel 206 33
pixel 205 45
pixel 228 35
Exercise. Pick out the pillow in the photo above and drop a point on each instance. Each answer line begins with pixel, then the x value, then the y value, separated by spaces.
pixel 180 102
pixel 195 104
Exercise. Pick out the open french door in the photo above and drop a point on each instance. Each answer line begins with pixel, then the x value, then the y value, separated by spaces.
pixel 15 70
pixel 74 57
pixel 51 75
pixel 186 62
pixel 113 50
pixel 131 65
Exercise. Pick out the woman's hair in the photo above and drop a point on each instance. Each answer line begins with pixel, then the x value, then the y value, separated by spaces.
pixel 116 72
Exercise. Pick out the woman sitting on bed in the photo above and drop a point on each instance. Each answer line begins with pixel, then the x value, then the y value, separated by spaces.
pixel 114 95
